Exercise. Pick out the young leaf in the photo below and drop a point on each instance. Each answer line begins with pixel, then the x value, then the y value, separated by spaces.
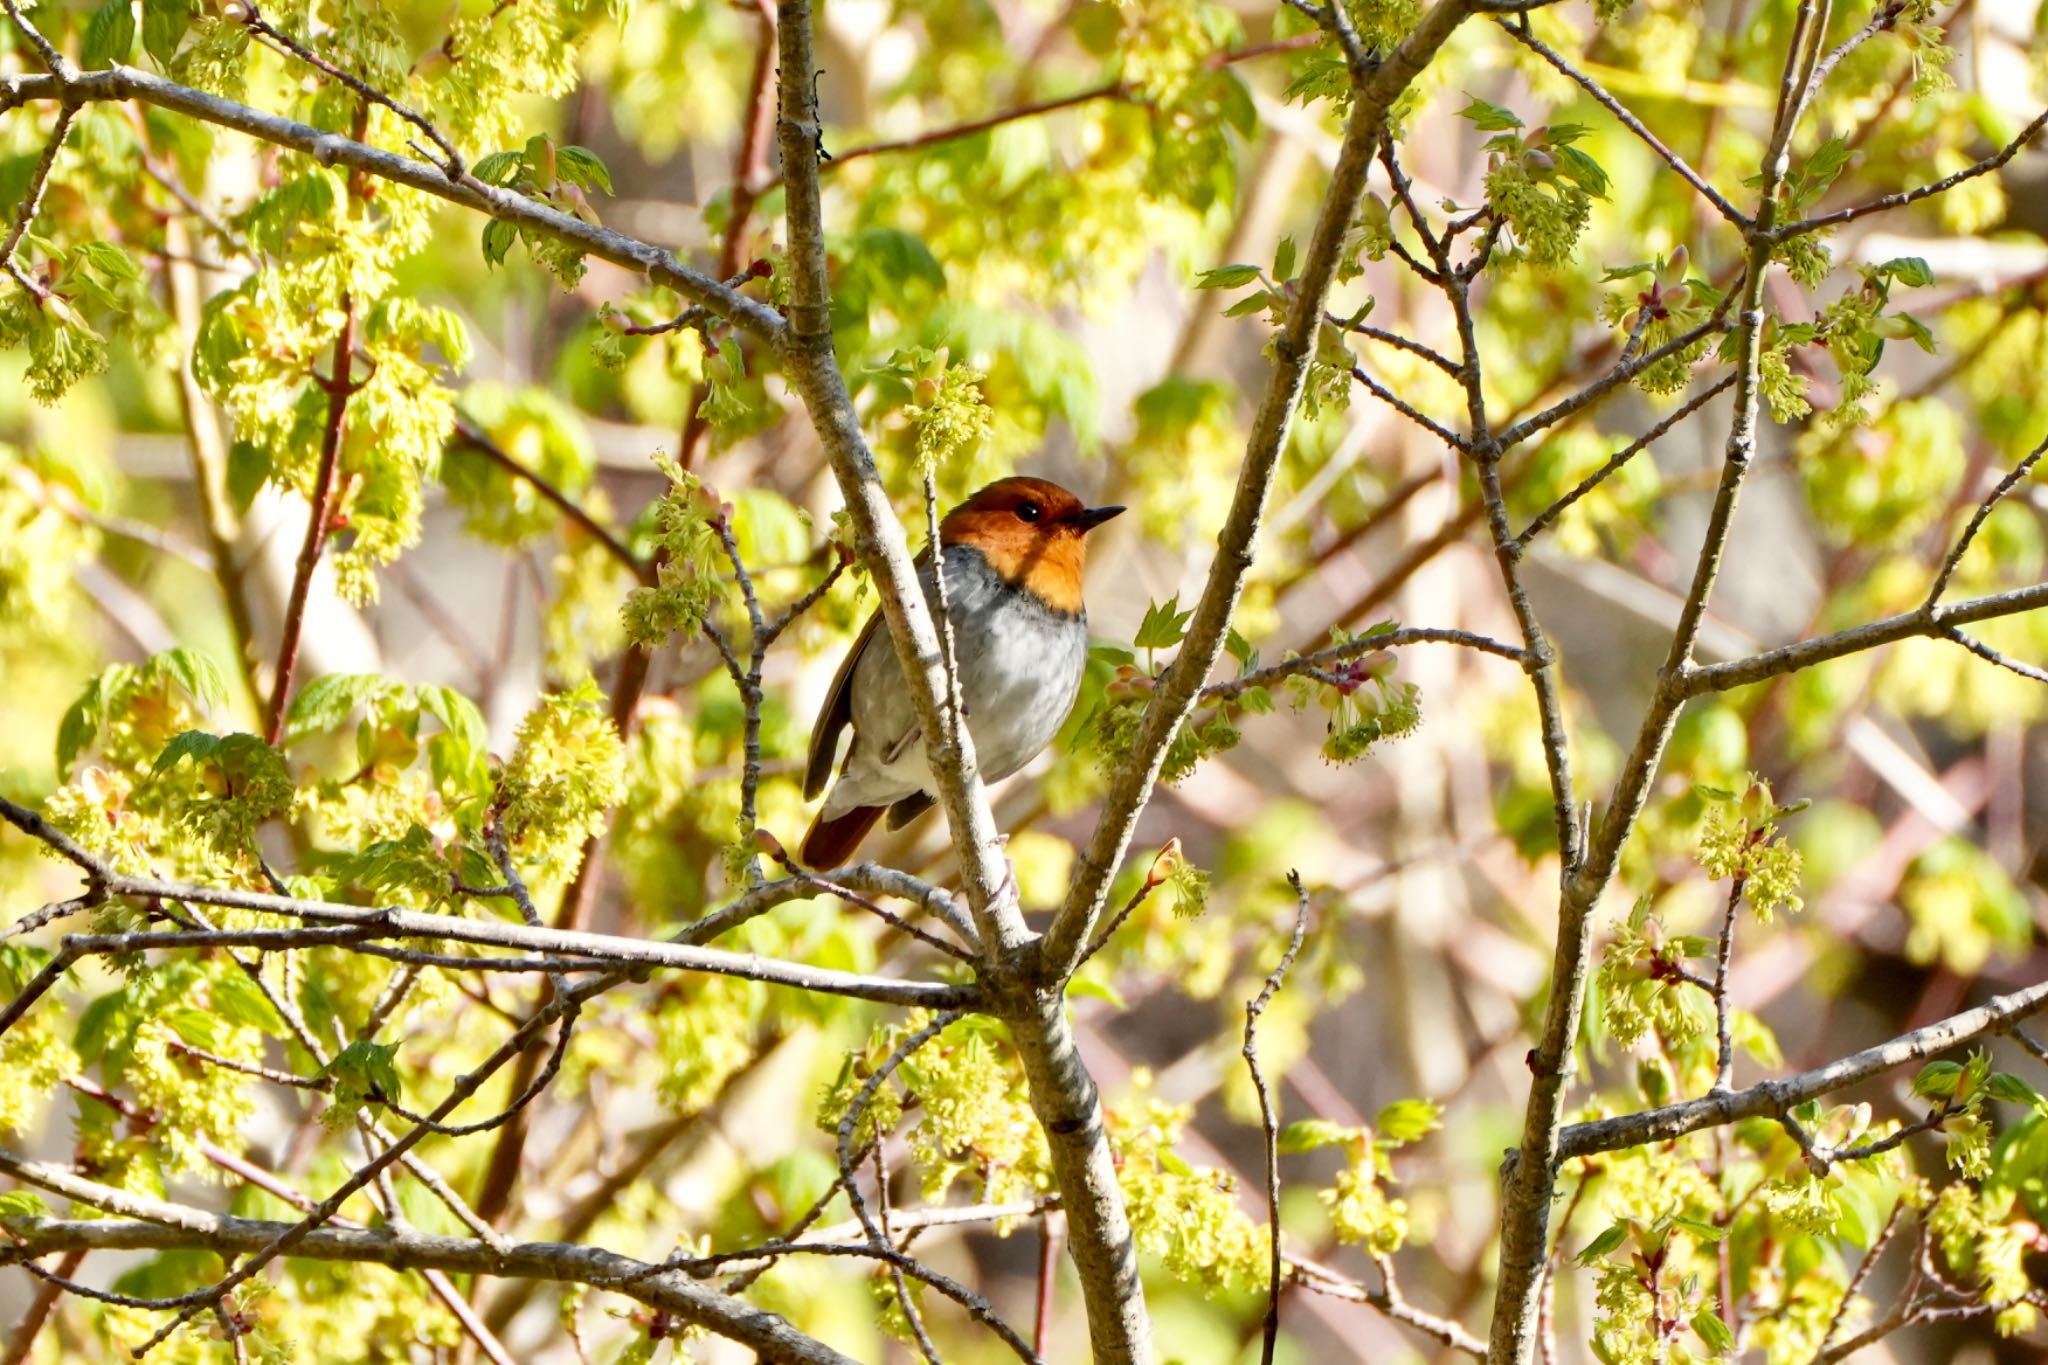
pixel 1616 1234
pixel 163 27
pixel 1406 1121
pixel 498 168
pixel 455 711
pixel 1708 1327
pixel 1307 1135
pixel 1227 277
pixel 109 36
pixel 1283 260
pixel 1490 118
pixel 194 744
pixel 498 238
pixel 1937 1080
pixel 1164 626
pixel 2003 1085
pixel 581 166
pixel 327 701
pixel 197 673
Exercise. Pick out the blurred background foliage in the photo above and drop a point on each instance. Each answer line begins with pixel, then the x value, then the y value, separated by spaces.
pixel 1032 289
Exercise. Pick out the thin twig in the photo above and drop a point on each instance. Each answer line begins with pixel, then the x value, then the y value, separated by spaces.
pixel 1522 34
pixel 1268 1119
pixel 1991 500
pixel 1614 462
pixel 1905 197
pixel 468 433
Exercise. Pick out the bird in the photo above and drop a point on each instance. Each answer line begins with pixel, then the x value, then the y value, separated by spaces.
pixel 1013 555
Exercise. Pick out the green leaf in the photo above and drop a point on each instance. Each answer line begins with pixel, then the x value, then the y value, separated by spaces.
pixel 1908 327
pixel 1708 1327
pixel 499 236
pixel 1308 1135
pixel 22 1204
pixel 238 1000
pixel 1164 626
pixel 110 260
pixel 1283 260
pixel 1088 988
pixel 249 468
pixel 1490 118
pixel 1703 1232
pixel 1937 1080
pixel 581 166
pixel 196 744
pixel 109 36
pixel 1912 271
pixel 1820 170
pixel 1406 1121
pixel 369 1069
pixel 99 1023
pixel 326 702
pixel 499 168
pixel 1250 303
pixel 455 711
pixel 163 27
pixel 197 673
pixel 1616 1234
pixel 2003 1085
pixel 1582 170
pixel 80 726
pixel 1227 277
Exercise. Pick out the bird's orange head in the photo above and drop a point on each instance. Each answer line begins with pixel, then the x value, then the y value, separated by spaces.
pixel 1033 534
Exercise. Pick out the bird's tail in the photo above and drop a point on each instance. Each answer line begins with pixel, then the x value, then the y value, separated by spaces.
pixel 829 843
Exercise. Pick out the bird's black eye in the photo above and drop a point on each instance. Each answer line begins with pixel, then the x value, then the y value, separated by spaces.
pixel 1028 511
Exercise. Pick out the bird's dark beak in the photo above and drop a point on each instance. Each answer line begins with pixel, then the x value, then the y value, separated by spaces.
pixel 1088 518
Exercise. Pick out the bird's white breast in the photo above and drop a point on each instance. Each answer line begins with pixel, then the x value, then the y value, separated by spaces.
pixel 1020 666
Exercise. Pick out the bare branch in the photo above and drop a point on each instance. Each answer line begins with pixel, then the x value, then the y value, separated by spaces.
pixel 1074 925
pixel 1542 520
pixel 32 202
pixel 476 438
pixel 1991 500
pixel 119 83
pixel 1771 1099
pixel 1408 410
pixel 144 1224
pixel 319 517
pixel 1929 621
pixel 1322 1280
pixel 1268 1121
pixel 615 951
pixel 1351 649
pixel 1521 34
pixel 253 20
pixel 1905 197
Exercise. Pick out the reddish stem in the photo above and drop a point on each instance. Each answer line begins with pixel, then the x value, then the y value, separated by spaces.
pixel 39 1308
pixel 318 521
pixel 1050 1226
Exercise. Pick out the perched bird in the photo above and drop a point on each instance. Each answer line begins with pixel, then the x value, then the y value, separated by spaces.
pixel 1013 555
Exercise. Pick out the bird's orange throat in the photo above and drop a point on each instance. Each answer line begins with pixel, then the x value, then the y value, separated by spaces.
pixel 1044 561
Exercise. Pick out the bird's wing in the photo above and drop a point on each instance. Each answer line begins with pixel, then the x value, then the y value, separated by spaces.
pixel 837 712
pixel 835 715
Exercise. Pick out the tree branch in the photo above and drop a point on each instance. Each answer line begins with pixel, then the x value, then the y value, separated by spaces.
pixel 144 1224
pixel 1293 347
pixel 1269 1122
pixel 1936 621
pixel 1905 197
pixel 1770 1099
pixel 330 149
pixel 1521 34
